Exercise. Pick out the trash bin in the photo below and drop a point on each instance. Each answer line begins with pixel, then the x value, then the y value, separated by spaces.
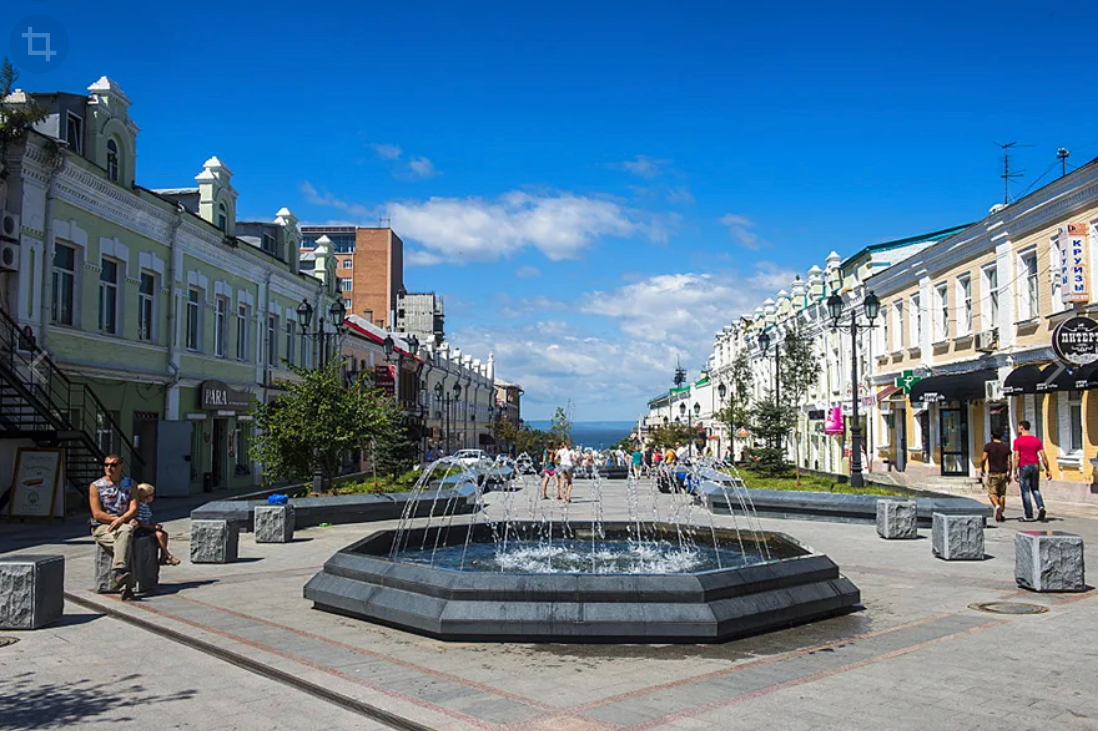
pixel 207 482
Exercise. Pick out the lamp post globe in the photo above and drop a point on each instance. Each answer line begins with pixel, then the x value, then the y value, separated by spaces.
pixel 388 344
pixel 872 307
pixel 764 341
pixel 721 391
pixel 337 312
pixel 413 345
pixel 304 314
pixel 835 307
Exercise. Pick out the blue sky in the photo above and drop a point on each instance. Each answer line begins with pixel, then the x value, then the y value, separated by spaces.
pixel 596 188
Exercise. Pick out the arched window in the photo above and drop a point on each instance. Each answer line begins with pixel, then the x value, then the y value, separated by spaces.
pixel 112 160
pixel 222 217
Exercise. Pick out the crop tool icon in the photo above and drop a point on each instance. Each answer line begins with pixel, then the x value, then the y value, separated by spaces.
pixel 43 48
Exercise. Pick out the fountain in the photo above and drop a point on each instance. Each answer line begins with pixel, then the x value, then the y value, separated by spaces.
pixel 526 569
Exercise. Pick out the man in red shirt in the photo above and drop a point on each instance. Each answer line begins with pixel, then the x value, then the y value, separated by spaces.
pixel 1029 452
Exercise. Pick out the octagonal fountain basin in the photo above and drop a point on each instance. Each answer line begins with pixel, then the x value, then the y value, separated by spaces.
pixel 538 582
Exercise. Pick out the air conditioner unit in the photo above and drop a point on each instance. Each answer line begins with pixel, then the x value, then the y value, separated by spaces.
pixel 987 341
pixel 993 390
pixel 9 227
pixel 9 256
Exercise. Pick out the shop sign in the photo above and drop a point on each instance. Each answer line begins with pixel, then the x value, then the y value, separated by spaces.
pixel 216 396
pixel 906 381
pixel 816 415
pixel 1074 262
pixel 385 378
pixel 1075 341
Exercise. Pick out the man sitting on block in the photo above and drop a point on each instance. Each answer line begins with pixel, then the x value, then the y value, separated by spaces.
pixel 113 505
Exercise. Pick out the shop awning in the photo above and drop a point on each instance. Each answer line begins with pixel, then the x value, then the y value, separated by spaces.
pixel 886 392
pixel 960 386
pixel 1022 380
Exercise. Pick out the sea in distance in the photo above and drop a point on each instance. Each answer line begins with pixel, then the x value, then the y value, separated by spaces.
pixel 593 434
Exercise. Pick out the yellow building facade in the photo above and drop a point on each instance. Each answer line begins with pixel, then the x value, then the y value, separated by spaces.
pixel 967 337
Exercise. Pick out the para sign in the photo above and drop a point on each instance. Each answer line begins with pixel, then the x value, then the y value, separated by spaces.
pixel 1074 263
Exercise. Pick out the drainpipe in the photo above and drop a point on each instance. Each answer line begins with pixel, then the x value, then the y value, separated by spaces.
pixel 44 310
pixel 173 309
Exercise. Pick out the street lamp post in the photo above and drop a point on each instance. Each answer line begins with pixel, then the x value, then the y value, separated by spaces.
pixel 722 424
pixel 872 307
pixel 454 410
pixel 764 345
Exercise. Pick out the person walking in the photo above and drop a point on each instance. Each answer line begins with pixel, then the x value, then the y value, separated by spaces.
pixel 996 464
pixel 548 472
pixel 638 463
pixel 566 466
pixel 1029 452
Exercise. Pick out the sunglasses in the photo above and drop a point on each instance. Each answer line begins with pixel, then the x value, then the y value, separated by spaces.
pixel 112 464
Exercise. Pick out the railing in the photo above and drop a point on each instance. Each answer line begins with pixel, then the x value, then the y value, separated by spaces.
pixel 67 406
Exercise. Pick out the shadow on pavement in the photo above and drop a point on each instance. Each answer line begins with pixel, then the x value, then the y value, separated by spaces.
pixel 28 704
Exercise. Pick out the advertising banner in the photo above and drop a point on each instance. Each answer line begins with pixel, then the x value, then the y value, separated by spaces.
pixel 1074 263
pixel 385 377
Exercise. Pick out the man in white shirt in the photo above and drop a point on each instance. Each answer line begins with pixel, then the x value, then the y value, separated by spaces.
pixel 566 467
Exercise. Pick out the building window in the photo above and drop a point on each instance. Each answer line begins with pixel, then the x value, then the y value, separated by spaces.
pixel 222 217
pixel 74 133
pixel 108 297
pixel 194 318
pixel 345 285
pixel 885 342
pixel 941 310
pixel 898 323
pixel 991 297
pixel 221 327
pixel 146 307
pixel 1075 419
pixel 64 282
pixel 112 160
pixel 104 433
pixel 1029 306
pixel 290 342
pixel 916 321
pixel 243 320
pixel 272 340
pixel 348 263
pixel 964 305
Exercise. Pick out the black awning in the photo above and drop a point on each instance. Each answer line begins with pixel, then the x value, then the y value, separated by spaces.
pixel 1022 380
pixel 961 386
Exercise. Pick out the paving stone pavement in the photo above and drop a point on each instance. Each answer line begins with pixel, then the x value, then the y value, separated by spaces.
pixel 916 657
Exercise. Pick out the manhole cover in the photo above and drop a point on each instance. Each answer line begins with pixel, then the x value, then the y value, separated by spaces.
pixel 5 641
pixel 1009 608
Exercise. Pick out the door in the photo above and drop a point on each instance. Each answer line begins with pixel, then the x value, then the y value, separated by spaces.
pixel 146 431
pixel 953 436
pixel 220 449
pixel 900 419
pixel 173 459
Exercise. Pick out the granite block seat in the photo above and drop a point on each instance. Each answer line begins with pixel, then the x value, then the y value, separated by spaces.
pixel 144 566
pixel 32 591
pixel 897 519
pixel 958 537
pixel 214 541
pixel 274 523
pixel 1049 560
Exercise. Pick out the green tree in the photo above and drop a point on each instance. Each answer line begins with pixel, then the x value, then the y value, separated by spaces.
pixel 394 450
pixel 672 435
pixel 16 119
pixel 560 427
pixel 736 412
pixel 771 421
pixel 800 371
pixel 318 420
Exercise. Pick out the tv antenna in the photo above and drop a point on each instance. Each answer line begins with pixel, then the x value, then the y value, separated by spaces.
pixel 1062 154
pixel 680 373
pixel 1007 175
pixel 384 221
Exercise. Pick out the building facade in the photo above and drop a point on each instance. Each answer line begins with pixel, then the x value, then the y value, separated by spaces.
pixel 170 313
pixel 370 266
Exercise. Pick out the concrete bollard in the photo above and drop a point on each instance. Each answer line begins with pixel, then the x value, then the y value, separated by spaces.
pixel 958 537
pixel 274 523
pixel 32 591
pixel 214 541
pixel 896 519
pixel 1049 560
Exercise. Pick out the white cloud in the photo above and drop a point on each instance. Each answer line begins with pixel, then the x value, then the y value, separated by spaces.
pixel 527 272
pixel 387 152
pixel 739 228
pixel 560 226
pixel 421 167
pixel 644 166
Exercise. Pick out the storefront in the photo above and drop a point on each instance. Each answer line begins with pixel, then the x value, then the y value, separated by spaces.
pixel 950 417
pixel 221 432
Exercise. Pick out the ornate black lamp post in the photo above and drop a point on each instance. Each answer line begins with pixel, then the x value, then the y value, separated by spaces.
pixel 454 414
pixel 871 306
pixel 764 346
pixel 336 313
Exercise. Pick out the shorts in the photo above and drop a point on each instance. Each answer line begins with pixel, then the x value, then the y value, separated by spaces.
pixel 997 484
pixel 565 469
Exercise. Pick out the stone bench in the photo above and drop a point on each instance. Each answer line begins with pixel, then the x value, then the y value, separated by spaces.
pixel 214 541
pixel 32 591
pixel 144 566
pixel 1049 560
pixel 274 523
pixel 958 537
pixel 897 519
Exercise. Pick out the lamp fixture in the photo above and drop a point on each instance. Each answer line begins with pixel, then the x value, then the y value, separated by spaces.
pixel 304 314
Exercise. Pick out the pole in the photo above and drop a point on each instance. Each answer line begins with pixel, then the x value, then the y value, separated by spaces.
pixel 396 384
pixel 855 428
